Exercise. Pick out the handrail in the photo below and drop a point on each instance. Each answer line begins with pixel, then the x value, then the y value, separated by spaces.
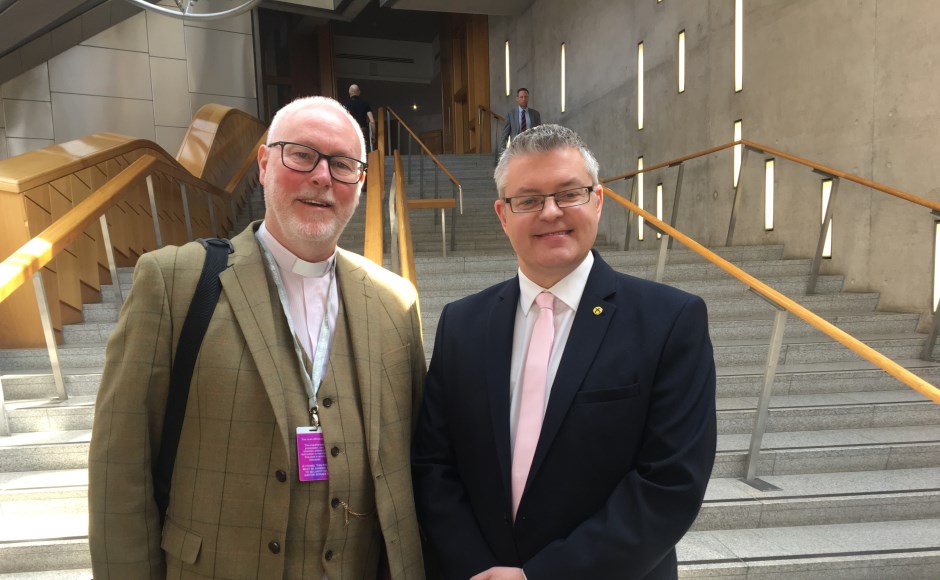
pixel 897 371
pixel 424 147
pixel 375 185
pixel 405 244
pixel 933 206
pixel 39 251
pixel 493 114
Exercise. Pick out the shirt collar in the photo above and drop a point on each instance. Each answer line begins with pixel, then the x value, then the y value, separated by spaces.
pixel 568 290
pixel 288 262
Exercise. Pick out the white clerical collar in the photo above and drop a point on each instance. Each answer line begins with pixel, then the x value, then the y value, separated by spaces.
pixel 288 262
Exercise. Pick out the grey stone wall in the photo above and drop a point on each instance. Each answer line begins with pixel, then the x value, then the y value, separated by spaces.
pixel 844 83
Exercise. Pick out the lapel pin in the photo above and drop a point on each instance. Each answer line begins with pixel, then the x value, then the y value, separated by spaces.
pixel 598 311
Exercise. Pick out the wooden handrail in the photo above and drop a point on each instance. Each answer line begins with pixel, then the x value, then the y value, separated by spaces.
pixel 492 114
pixel 372 247
pixel 405 244
pixel 250 160
pixel 932 205
pixel 858 347
pixel 423 146
pixel 39 251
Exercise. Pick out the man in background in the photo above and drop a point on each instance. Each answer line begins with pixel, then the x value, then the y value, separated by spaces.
pixel 519 119
pixel 362 113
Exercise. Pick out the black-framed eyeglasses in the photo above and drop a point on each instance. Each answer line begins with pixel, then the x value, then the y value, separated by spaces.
pixel 567 198
pixel 304 159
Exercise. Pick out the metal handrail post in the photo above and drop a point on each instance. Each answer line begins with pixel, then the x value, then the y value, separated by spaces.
pixel 45 316
pixel 443 234
pixel 421 173
pixel 393 227
pixel 212 223
pixel 661 258
pixel 927 353
pixel 736 204
pixel 4 422
pixel 153 210
pixel 763 403
pixel 112 263
pixel 453 228
pixel 410 176
pixel 675 199
pixel 821 242
pixel 629 229
pixel 460 197
pixel 189 222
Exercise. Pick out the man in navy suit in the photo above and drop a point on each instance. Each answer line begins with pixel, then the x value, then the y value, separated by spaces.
pixel 624 436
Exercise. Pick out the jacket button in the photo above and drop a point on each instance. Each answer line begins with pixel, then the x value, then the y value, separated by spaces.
pixel 335 502
pixel 327 402
pixel 328 555
pixel 334 451
pixel 280 475
pixel 274 547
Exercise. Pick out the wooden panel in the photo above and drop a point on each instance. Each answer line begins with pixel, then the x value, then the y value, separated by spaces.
pixel 19 314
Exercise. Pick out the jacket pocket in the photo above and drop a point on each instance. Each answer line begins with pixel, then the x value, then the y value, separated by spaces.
pixel 607 395
pixel 180 543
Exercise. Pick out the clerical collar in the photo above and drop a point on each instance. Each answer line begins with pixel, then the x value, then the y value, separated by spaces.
pixel 288 262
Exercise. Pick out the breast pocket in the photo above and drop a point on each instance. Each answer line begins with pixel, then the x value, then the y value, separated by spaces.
pixel 607 395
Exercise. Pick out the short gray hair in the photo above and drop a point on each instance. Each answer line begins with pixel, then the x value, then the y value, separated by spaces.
pixel 542 139
pixel 314 102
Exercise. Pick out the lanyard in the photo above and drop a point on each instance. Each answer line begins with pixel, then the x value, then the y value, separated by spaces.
pixel 315 375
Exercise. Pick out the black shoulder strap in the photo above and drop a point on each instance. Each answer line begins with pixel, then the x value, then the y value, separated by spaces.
pixel 194 328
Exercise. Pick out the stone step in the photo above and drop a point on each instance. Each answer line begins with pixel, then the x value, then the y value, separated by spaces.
pixel 40 415
pixel 39 383
pixel 70 357
pixel 58 450
pixel 65 555
pixel 832 450
pixel 818 499
pixel 886 550
pixel 81 574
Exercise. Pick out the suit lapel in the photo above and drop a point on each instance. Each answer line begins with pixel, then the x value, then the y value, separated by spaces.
pixel 257 308
pixel 587 335
pixel 362 305
pixel 499 346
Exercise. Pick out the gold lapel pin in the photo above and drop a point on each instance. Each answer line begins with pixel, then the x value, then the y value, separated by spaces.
pixel 598 311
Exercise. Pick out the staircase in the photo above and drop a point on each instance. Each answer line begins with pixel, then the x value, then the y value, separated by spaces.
pixel 854 455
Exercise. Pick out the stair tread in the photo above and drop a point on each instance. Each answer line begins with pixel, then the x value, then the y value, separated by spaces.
pixel 725 489
pixel 821 439
pixel 808 541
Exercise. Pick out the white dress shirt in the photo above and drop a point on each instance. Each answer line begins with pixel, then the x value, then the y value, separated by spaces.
pixel 567 292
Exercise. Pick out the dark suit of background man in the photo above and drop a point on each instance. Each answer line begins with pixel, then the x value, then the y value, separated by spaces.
pixel 362 112
pixel 627 438
pixel 291 300
pixel 514 119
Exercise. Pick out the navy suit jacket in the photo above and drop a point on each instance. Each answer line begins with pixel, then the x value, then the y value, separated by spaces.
pixel 626 448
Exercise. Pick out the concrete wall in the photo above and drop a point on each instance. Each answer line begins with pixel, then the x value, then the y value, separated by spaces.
pixel 845 83
pixel 143 77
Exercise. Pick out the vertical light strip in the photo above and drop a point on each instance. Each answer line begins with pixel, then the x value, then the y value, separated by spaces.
pixel 508 84
pixel 936 265
pixel 682 61
pixel 769 195
pixel 738 45
pixel 639 198
pixel 639 87
pixel 659 205
pixel 563 90
pixel 737 152
pixel 826 190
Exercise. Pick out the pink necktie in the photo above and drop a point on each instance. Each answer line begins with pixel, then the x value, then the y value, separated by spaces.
pixel 522 122
pixel 532 406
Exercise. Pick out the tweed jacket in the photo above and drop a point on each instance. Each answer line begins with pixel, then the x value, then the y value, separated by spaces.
pixel 231 493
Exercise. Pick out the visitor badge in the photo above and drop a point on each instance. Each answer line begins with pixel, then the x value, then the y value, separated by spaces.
pixel 311 454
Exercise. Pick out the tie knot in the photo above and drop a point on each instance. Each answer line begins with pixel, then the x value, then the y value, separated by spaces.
pixel 546 300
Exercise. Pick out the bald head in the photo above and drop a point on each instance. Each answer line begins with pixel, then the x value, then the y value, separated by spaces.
pixel 354 90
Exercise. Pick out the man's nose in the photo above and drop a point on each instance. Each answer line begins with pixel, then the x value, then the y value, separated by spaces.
pixel 321 171
pixel 550 209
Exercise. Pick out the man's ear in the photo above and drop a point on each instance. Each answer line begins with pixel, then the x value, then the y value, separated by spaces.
pixel 263 154
pixel 501 208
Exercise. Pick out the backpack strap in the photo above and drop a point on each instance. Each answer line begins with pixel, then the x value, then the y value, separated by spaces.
pixel 206 296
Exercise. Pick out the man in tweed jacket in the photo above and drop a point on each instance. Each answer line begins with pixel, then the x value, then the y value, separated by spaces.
pixel 238 508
